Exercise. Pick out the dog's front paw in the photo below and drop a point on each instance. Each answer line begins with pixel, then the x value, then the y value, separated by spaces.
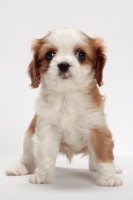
pixel 17 170
pixel 109 181
pixel 39 178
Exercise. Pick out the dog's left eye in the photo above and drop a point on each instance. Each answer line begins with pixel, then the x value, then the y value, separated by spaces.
pixel 50 55
pixel 80 55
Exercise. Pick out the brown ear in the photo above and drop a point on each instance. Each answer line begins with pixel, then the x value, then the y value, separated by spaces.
pixel 99 59
pixel 33 71
pixel 33 68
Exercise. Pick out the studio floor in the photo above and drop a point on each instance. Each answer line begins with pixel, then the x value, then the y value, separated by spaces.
pixel 74 182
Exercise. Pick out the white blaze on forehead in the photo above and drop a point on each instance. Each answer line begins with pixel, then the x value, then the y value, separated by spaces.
pixel 66 39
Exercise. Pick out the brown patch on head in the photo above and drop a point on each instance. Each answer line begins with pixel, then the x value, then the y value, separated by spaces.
pixel 37 43
pixel 32 126
pixel 102 143
pixel 88 53
pixel 39 63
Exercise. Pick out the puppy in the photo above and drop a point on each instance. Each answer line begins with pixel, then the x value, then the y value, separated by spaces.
pixel 69 116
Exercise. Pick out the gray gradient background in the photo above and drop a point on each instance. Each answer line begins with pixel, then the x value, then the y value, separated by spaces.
pixel 23 20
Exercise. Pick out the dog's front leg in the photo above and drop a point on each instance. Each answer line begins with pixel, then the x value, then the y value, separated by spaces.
pixel 46 148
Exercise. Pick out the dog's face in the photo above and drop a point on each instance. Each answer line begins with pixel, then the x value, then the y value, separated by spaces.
pixel 66 55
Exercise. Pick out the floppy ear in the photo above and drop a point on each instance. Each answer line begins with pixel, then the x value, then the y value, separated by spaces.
pixel 34 66
pixel 99 59
pixel 33 71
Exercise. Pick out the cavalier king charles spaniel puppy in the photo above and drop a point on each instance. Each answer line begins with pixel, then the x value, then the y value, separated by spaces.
pixel 69 116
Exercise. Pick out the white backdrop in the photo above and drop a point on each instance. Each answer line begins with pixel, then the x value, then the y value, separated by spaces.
pixel 23 20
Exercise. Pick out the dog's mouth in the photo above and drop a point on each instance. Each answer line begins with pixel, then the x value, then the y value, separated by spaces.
pixel 65 75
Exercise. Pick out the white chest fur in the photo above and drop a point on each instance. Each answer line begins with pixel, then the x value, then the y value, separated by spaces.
pixel 69 115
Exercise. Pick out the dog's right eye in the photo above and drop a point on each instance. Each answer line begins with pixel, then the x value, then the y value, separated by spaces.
pixel 50 55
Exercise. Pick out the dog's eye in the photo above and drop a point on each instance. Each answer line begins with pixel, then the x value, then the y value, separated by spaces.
pixel 80 55
pixel 50 55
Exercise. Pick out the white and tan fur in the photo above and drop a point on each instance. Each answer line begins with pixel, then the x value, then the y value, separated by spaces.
pixel 69 109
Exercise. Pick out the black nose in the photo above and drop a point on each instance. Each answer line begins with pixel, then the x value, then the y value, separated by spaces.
pixel 63 66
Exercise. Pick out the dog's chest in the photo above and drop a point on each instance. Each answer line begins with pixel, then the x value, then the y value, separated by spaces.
pixel 68 108
pixel 68 113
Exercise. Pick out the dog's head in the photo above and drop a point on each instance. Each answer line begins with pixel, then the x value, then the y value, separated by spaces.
pixel 66 55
